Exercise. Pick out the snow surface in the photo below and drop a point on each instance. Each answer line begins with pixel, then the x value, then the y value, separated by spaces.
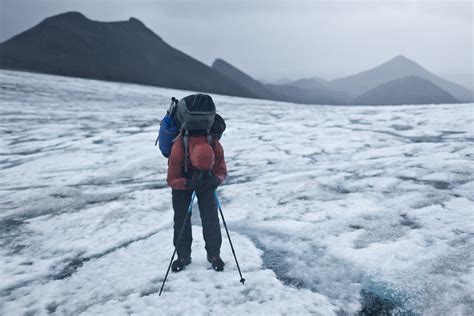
pixel 332 210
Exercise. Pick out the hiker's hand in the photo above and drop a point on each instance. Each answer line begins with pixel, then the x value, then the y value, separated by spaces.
pixel 209 184
pixel 194 183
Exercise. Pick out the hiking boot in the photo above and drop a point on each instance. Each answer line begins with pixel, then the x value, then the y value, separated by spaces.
pixel 217 263
pixel 180 263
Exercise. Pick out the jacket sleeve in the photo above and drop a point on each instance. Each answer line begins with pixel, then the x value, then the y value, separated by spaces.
pixel 175 177
pixel 220 168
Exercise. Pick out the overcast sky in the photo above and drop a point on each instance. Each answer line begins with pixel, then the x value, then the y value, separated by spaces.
pixel 287 39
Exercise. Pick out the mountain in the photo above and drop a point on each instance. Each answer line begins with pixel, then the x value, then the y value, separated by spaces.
pixel 395 68
pixel 310 83
pixel 235 74
pixel 309 96
pixel 281 81
pixel 72 45
pixel 280 92
pixel 406 90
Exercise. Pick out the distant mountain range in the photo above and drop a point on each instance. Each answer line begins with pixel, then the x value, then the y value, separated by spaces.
pixel 310 83
pixel 256 87
pixel 406 90
pixel 281 92
pixel 396 68
pixel 372 87
pixel 70 44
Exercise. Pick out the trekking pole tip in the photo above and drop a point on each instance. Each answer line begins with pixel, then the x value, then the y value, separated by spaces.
pixel 242 281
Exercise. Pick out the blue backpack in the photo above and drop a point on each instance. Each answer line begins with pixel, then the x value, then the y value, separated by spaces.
pixel 168 130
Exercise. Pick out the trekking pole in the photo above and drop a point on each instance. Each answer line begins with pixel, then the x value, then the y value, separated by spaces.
pixel 242 280
pixel 179 239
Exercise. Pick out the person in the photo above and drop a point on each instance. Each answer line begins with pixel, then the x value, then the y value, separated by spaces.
pixel 206 171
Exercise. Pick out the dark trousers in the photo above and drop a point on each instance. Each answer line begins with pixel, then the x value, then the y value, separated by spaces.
pixel 211 229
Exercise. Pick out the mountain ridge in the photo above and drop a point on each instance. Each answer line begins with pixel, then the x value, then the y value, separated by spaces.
pixel 70 44
pixel 397 67
pixel 280 92
pixel 237 75
pixel 310 83
pixel 406 90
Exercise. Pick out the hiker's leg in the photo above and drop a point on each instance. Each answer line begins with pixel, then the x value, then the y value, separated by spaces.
pixel 211 229
pixel 181 200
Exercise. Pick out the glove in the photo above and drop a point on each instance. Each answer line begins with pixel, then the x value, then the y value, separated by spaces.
pixel 193 183
pixel 209 184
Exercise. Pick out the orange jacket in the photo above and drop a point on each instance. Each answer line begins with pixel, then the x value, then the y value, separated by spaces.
pixel 176 177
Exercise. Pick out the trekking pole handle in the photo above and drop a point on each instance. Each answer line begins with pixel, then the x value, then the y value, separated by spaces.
pixel 217 200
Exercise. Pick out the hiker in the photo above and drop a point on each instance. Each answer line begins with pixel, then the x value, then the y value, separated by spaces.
pixel 202 170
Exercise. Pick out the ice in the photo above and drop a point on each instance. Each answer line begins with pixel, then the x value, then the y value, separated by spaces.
pixel 332 210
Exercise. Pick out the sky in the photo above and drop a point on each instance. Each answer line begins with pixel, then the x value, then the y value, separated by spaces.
pixel 271 40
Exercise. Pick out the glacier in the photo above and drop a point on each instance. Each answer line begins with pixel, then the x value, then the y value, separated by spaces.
pixel 333 210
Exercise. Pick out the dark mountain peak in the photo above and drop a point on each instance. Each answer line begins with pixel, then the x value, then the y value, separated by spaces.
pixel 71 16
pixel 136 22
pixel 229 70
pixel 71 44
pixel 234 73
pixel 77 20
pixel 135 25
pixel 221 62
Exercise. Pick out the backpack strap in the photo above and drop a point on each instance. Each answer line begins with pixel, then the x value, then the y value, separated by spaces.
pixel 209 137
pixel 186 149
pixel 212 144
